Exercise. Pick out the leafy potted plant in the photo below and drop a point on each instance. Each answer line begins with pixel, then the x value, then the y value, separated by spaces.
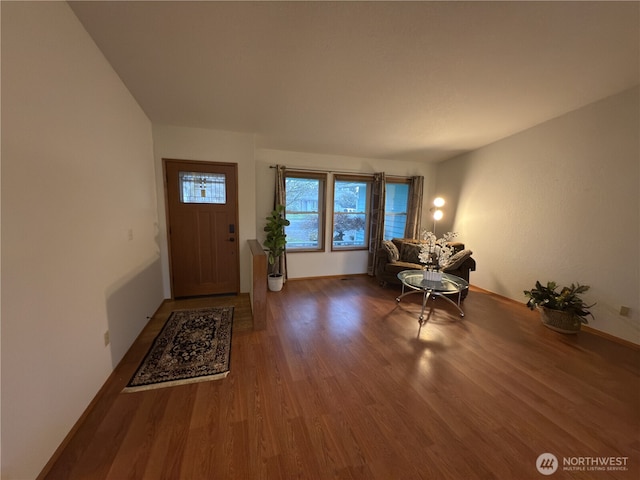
pixel 563 311
pixel 275 242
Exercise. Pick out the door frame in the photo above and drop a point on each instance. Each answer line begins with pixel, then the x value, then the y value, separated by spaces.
pixel 165 181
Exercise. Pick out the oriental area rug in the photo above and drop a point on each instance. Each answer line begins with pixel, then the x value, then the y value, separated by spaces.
pixel 193 346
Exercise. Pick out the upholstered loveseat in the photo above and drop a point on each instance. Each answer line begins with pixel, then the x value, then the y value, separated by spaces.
pixel 402 254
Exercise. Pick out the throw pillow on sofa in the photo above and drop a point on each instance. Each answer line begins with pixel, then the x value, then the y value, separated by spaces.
pixel 410 253
pixel 457 259
pixel 392 250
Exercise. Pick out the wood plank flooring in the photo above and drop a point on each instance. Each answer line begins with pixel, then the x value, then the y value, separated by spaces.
pixel 342 384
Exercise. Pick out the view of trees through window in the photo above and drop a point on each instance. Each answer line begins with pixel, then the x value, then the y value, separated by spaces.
pixel 350 212
pixel 304 209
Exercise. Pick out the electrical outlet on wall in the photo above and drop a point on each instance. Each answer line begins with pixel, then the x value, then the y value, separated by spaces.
pixel 625 311
pixel 107 340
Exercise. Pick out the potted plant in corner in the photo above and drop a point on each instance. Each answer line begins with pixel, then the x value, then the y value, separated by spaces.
pixel 275 242
pixel 562 311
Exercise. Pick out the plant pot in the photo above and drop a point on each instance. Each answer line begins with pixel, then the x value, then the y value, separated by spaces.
pixel 275 282
pixel 560 321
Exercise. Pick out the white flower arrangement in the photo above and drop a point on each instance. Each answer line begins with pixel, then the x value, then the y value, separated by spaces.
pixel 435 252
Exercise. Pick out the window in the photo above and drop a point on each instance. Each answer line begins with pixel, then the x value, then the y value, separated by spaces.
pixel 350 212
pixel 202 187
pixel 305 193
pixel 395 209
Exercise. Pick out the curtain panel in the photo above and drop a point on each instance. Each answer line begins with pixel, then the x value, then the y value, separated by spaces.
pixel 376 232
pixel 414 208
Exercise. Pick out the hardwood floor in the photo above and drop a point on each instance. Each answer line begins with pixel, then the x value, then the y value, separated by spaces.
pixel 342 384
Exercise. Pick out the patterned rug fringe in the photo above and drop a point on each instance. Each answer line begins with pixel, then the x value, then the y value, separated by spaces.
pixel 173 383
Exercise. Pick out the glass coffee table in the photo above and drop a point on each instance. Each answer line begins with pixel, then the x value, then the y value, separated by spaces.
pixel 413 281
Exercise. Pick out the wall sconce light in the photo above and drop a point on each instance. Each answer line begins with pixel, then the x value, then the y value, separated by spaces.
pixel 437 213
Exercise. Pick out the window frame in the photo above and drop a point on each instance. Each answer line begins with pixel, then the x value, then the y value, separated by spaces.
pixel 322 195
pixel 368 179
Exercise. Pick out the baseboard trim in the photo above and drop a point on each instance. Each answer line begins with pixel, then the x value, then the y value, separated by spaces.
pixel 76 426
pixel 612 338
pixel 346 275
pixel 95 402
pixel 586 328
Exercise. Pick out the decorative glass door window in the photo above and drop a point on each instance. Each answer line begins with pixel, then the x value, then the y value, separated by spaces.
pixel 202 187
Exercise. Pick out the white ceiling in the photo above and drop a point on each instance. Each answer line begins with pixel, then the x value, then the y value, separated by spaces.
pixel 398 80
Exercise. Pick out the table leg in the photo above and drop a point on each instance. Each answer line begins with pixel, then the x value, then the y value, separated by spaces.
pixel 425 298
pixel 457 305
pixel 404 294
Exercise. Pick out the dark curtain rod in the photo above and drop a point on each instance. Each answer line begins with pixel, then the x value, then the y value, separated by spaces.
pixel 319 170
pixel 343 172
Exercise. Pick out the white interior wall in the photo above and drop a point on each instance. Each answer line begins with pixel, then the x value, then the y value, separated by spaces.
pixel 317 264
pixel 78 177
pixel 79 255
pixel 182 143
pixel 557 202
